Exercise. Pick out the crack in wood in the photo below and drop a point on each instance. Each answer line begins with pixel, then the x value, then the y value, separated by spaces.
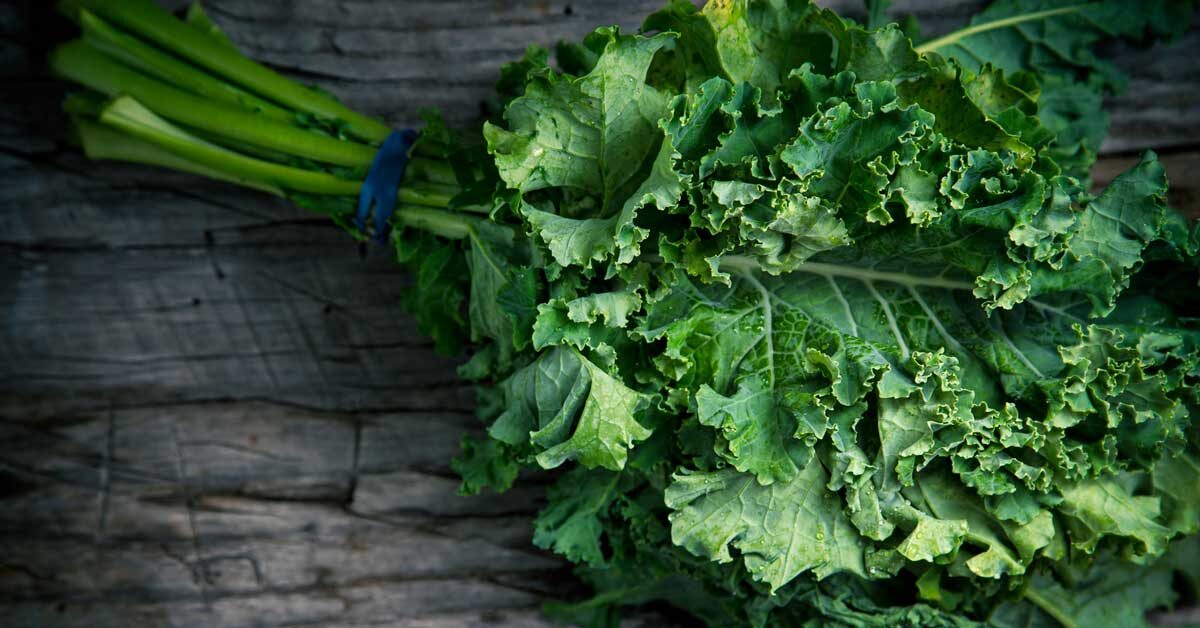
pixel 355 463
pixel 317 298
pixel 105 492
pixel 181 469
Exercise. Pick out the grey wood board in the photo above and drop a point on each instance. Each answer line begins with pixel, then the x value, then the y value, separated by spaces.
pixel 212 411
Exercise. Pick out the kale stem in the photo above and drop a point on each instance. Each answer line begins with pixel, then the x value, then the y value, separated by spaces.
pixel 437 222
pixel 433 170
pixel 85 65
pixel 127 114
pixel 144 19
pixel 103 142
pixel 146 58
pixel 130 132
pixel 426 197
pixel 197 18
pixel 1049 608
pixel 975 29
pixel 433 195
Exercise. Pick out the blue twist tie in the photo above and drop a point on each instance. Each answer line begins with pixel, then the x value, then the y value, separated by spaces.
pixel 383 182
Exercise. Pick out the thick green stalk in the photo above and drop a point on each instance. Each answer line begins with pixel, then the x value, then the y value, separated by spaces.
pixel 128 115
pixel 103 142
pixel 146 58
pixel 267 154
pixel 432 170
pixel 437 222
pixel 428 181
pixel 85 65
pixel 144 19
pixel 87 104
pixel 197 18
pixel 428 196
pixel 417 187
pixel 130 132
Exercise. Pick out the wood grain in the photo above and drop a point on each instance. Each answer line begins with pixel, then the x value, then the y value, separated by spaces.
pixel 212 411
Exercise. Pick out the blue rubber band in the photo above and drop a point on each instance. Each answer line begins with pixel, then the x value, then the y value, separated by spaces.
pixel 383 182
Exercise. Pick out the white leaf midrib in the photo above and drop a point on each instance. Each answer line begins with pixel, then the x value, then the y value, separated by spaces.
pixel 744 264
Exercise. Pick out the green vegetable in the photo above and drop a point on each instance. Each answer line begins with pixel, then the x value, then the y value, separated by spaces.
pixel 820 325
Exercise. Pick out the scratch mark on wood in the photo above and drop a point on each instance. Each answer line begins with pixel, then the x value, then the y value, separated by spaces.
pixel 329 303
pixel 189 504
pixel 354 461
pixel 254 336
pixel 105 493
pixel 253 451
pixel 181 347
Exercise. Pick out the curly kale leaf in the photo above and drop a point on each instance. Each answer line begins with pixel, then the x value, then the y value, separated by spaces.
pixel 832 326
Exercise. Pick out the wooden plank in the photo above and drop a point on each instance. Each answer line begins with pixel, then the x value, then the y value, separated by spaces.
pixel 212 411
pixel 228 513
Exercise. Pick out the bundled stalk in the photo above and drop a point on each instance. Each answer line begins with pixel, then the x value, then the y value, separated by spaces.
pixel 824 324
pixel 176 94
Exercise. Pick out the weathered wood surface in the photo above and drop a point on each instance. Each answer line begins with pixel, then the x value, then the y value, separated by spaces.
pixel 213 412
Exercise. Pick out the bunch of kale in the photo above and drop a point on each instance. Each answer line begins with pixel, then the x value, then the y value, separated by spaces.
pixel 817 326
pixel 826 326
